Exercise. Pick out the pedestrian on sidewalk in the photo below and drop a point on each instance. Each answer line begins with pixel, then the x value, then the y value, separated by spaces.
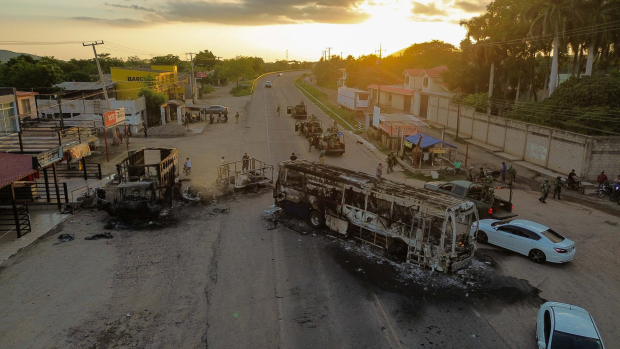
pixel 379 171
pixel 557 187
pixel 237 118
pixel 322 156
pixel 504 168
pixel 602 178
pixel 293 157
pixel 246 162
pixel 146 135
pixel 544 188
pixel 457 166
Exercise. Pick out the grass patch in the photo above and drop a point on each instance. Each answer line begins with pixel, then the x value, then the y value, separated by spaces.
pixel 207 89
pixel 322 97
pixel 329 85
pixel 241 90
pixel 421 177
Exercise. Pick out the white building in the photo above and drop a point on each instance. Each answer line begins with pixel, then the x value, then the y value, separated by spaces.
pixel 135 110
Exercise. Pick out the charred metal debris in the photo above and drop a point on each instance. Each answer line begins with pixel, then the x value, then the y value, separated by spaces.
pixel 420 226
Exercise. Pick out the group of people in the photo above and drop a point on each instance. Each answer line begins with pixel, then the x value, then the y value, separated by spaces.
pixel 118 138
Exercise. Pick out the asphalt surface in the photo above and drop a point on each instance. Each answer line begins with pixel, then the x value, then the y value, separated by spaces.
pixel 227 278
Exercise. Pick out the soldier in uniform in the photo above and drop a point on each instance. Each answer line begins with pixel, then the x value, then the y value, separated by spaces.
pixel 469 176
pixel 488 183
pixel 545 191
pixel 389 163
pixel 512 174
pixel 557 187
pixel 491 196
pixel 310 142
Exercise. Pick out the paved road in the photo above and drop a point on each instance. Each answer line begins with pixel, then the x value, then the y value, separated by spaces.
pixel 226 280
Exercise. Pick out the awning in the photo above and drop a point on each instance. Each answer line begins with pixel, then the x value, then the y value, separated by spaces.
pixel 427 141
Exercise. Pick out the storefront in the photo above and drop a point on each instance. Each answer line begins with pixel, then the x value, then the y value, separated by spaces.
pixel 424 150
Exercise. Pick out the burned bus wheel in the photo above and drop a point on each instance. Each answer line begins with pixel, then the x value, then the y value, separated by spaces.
pixel 397 250
pixel 316 219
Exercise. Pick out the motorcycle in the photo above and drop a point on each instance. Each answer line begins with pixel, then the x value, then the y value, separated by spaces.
pixel 576 185
pixel 605 189
pixel 615 193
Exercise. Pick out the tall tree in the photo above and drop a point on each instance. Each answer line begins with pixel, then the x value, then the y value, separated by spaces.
pixel 550 17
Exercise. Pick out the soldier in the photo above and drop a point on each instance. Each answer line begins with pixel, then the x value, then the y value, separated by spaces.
pixel 322 156
pixel 246 162
pixel 237 118
pixel 512 174
pixel 310 142
pixel 389 163
pixel 488 183
pixel 469 176
pixel 545 191
pixel 557 187
pixel 491 197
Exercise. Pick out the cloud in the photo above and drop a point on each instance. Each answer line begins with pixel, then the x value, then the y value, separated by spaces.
pixel 241 12
pixel 431 9
pixel 118 22
pixel 131 7
pixel 265 12
pixel 471 7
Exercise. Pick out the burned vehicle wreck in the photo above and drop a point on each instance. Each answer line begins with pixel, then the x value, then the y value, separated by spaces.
pixel 419 226
pixel 146 184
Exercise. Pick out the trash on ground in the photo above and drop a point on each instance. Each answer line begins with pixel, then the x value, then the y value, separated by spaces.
pixel 66 237
pixel 105 235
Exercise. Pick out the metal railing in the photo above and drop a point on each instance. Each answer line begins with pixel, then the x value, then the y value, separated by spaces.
pixel 9 223
pixel 86 171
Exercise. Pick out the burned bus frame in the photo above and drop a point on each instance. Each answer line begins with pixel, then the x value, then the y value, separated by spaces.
pixel 233 173
pixel 432 228
pixel 133 168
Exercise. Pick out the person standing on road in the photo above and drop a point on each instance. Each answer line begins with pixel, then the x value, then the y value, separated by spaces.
pixel 145 132
pixel 512 174
pixel 187 167
pixel 237 118
pixel 246 162
pixel 602 178
pixel 379 172
pixel 389 163
pixel 457 166
pixel 322 156
pixel 310 142
pixel 545 191
pixel 557 187
pixel 293 157
pixel 469 175
pixel 504 168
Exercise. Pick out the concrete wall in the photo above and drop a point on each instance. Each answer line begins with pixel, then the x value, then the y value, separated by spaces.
pixel 547 147
pixel 398 101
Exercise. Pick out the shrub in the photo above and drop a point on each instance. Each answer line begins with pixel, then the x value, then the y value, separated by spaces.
pixel 241 90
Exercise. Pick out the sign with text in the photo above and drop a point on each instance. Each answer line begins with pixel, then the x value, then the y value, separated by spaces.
pixel 201 74
pixel 113 117
pixel 439 150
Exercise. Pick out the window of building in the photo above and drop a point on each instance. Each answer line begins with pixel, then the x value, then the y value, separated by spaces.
pixel 25 109
pixel 425 83
pixel 7 112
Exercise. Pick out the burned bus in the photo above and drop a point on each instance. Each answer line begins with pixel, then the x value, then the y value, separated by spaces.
pixel 416 225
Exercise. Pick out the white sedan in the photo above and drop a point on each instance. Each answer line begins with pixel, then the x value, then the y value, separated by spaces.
pixel 529 238
pixel 566 326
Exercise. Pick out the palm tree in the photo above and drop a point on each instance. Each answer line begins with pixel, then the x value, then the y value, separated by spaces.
pixel 597 13
pixel 550 17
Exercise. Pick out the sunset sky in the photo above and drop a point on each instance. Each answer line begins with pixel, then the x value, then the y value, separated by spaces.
pixel 264 28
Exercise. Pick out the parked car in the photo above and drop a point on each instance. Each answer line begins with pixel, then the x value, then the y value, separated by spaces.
pixel 268 84
pixel 279 74
pixel 215 109
pixel 528 238
pixel 566 326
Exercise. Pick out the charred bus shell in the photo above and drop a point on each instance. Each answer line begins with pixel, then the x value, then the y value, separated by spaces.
pixel 420 226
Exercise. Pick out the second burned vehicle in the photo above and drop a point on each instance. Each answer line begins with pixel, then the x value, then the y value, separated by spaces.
pixel 415 225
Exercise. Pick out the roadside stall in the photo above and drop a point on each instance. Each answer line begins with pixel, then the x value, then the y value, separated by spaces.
pixel 422 149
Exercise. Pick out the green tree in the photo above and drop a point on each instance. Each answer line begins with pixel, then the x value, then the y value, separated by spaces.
pixel 205 59
pixel 152 98
pixel 239 67
pixel 24 72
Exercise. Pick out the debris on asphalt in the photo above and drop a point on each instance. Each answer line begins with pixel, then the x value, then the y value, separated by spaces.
pixel 66 237
pixel 105 235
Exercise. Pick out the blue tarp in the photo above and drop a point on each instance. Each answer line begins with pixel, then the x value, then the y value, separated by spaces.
pixel 427 141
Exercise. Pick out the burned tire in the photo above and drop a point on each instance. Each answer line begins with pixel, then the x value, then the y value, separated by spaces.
pixel 482 237
pixel 537 256
pixel 316 219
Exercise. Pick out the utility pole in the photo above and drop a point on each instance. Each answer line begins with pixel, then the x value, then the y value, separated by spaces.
pixel 62 119
pixel 286 66
pixel 193 78
pixel 379 82
pixel 105 94
pixel 329 53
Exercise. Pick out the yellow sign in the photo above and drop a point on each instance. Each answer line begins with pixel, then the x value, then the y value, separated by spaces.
pixel 439 150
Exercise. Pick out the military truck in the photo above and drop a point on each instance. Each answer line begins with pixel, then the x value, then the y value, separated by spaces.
pixel 298 112
pixel 496 207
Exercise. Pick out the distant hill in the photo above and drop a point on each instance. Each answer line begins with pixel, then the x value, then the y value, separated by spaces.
pixel 5 55
pixel 398 53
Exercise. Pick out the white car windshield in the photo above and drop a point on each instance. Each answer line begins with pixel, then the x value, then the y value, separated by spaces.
pixel 563 340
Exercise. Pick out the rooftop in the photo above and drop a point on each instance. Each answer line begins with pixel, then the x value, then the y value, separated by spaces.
pixel 436 72
pixel 85 86
pixel 14 167
pixel 26 94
